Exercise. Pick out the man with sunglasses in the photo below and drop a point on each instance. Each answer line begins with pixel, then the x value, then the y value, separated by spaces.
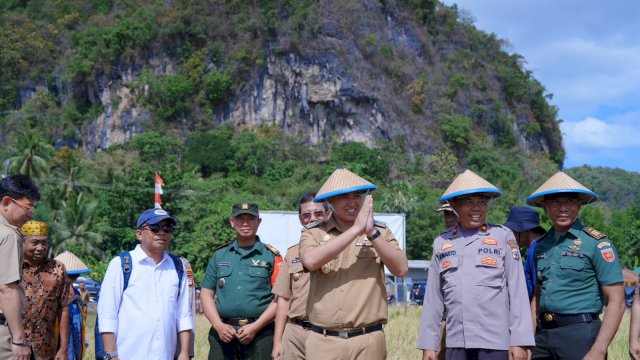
pixel 292 288
pixel 18 199
pixel 141 321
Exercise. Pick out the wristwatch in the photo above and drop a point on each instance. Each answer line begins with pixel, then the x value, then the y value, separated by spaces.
pixel 375 235
pixel 110 355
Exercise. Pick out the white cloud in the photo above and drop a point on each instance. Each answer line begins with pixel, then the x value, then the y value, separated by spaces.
pixel 595 134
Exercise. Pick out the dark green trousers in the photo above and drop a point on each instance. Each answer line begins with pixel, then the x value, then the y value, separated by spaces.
pixel 259 349
pixel 571 342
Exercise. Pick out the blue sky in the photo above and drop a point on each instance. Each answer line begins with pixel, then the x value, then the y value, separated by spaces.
pixel 587 54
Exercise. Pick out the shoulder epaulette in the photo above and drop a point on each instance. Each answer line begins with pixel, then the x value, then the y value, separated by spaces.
pixel 223 245
pixel 292 246
pixel 593 233
pixel 380 224
pixel 272 249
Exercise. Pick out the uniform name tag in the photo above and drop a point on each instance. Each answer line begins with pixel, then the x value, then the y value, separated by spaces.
pixel 224 263
pixel 365 244
pixel 295 261
pixel 445 254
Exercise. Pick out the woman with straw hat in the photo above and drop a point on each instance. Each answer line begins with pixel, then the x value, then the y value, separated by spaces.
pixel 345 256
pixel 578 272
pixel 477 275
pixel 77 308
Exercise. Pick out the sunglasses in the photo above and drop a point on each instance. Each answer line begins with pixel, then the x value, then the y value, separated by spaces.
pixel 318 214
pixel 155 228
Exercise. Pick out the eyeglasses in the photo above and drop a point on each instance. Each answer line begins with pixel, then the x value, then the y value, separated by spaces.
pixel 26 207
pixel 318 214
pixel 155 228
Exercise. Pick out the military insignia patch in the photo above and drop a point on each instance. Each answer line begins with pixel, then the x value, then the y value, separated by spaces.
pixel 594 233
pixel 515 253
pixel 490 241
pixel 608 255
pixel 577 242
pixel 603 244
pixel 446 264
pixel 446 246
pixel 512 244
pixel 271 248
pixel 489 261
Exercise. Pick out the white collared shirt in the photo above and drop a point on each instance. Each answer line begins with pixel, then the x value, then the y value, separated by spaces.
pixel 146 319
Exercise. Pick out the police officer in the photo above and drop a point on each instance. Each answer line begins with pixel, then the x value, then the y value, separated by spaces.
pixel 236 291
pixel 292 288
pixel 476 274
pixel 578 271
pixel 346 256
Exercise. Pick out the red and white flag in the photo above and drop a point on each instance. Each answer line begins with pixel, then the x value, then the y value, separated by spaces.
pixel 157 199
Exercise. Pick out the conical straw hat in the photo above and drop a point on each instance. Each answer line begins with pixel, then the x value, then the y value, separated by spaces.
pixel 469 183
pixel 561 183
pixel 74 265
pixel 343 181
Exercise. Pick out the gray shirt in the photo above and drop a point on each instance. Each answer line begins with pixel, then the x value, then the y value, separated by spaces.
pixel 478 277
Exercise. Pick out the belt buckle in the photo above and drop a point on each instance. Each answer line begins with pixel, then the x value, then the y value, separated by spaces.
pixel 343 334
pixel 243 322
pixel 548 316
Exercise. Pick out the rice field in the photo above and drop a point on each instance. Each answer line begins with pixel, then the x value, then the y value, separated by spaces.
pixel 401 332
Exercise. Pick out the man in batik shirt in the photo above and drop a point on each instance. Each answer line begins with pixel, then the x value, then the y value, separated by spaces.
pixel 48 291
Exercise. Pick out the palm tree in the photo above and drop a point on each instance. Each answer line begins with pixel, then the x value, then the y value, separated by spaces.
pixel 73 227
pixel 33 154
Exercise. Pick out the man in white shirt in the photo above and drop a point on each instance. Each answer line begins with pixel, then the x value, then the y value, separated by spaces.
pixel 141 321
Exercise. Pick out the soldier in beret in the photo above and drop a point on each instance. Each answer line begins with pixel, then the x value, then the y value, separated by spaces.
pixel 236 291
pixel 577 272
pixel 476 274
pixel 345 256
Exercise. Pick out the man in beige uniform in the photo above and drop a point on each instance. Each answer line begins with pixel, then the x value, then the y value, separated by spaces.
pixel 292 288
pixel 18 198
pixel 346 256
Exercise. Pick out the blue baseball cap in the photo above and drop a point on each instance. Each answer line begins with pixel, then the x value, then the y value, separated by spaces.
pixel 154 216
pixel 523 218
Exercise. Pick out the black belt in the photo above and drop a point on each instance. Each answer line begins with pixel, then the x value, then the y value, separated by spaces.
pixel 551 320
pixel 345 334
pixel 304 323
pixel 238 321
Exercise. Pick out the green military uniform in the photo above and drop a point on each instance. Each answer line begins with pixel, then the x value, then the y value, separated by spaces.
pixel 572 268
pixel 579 262
pixel 242 281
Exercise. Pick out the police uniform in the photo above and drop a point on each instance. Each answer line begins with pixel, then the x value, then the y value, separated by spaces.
pixel 572 267
pixel 293 284
pixel 241 279
pixel 347 298
pixel 477 276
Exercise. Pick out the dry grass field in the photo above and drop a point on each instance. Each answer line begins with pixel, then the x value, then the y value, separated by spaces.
pixel 401 332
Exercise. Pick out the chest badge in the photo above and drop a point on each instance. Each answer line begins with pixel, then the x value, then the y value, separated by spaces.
pixel 577 242
pixel 325 269
pixel 490 241
pixel 446 246
pixel 221 283
pixel 446 264
pixel 296 276
pixel 489 261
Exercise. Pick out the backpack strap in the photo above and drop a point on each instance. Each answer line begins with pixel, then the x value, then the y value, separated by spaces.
pixel 179 270
pixel 126 263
